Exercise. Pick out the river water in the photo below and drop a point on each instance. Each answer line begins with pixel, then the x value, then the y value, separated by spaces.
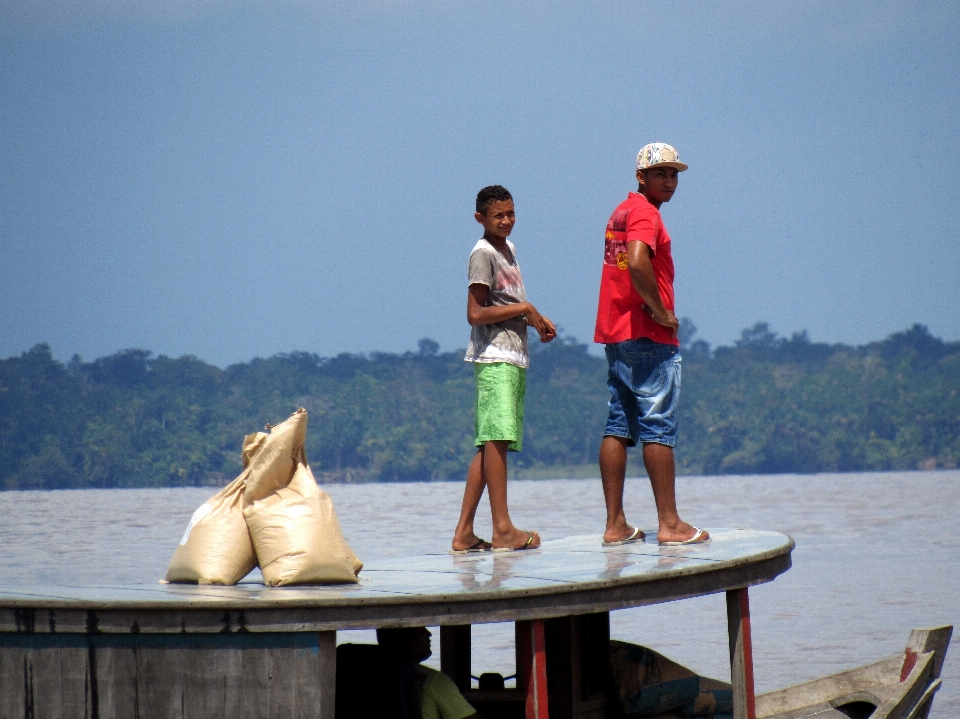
pixel 877 555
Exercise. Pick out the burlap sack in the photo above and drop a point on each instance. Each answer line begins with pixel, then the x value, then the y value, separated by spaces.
pixel 216 548
pixel 273 463
pixel 294 528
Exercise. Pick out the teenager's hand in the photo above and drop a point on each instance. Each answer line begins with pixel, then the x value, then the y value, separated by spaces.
pixel 549 330
pixel 669 321
pixel 539 322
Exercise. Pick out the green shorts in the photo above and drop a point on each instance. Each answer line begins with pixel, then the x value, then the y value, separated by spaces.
pixel 500 390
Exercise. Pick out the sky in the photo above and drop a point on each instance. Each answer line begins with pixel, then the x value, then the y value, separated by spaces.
pixel 233 180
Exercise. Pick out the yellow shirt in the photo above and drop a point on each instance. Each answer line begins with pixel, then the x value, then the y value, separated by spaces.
pixel 441 698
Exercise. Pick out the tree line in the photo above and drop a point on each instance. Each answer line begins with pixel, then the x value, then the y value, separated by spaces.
pixel 766 404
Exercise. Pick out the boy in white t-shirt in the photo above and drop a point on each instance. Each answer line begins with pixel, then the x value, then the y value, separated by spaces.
pixel 498 313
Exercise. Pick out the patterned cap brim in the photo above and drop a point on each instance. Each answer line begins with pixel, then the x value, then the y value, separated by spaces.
pixel 679 165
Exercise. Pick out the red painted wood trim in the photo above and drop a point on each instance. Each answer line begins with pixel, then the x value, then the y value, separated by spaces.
pixel 744 598
pixel 536 706
pixel 909 662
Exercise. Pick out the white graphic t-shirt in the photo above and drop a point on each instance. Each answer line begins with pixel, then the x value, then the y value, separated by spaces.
pixel 504 341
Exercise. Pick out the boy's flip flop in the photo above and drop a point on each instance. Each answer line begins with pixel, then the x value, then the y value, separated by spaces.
pixel 522 547
pixel 635 536
pixel 697 538
pixel 481 545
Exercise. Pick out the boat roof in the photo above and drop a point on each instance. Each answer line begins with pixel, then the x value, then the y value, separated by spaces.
pixel 574 575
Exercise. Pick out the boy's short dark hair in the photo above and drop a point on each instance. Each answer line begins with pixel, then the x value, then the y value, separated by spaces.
pixel 491 194
pixel 397 637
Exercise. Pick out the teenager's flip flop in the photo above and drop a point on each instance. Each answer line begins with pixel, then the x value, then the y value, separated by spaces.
pixel 522 547
pixel 635 536
pixel 481 545
pixel 697 538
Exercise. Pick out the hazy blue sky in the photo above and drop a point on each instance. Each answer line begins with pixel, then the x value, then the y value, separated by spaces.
pixel 233 179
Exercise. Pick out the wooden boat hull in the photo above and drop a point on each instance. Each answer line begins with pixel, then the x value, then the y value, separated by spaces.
pixel 900 687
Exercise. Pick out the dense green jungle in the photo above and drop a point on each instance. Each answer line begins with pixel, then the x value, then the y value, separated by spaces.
pixel 767 404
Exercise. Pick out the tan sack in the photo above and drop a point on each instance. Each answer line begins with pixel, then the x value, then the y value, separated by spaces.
pixel 276 457
pixel 216 548
pixel 292 521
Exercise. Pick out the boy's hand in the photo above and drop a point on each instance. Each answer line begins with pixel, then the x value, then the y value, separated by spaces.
pixel 541 324
pixel 549 332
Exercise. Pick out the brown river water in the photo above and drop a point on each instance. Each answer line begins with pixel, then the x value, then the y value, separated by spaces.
pixel 877 555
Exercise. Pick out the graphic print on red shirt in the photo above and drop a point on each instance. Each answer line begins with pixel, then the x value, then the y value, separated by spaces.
pixel 620 313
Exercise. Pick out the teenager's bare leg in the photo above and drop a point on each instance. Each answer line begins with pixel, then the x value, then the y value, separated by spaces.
pixel 490 460
pixel 464 537
pixel 495 473
pixel 613 471
pixel 659 463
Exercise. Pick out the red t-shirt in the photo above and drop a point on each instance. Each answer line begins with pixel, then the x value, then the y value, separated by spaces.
pixel 620 316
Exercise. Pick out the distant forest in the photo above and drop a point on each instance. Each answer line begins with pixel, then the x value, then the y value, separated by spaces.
pixel 768 404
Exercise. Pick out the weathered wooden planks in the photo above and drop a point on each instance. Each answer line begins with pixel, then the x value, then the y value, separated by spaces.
pixel 178 676
pixel 576 575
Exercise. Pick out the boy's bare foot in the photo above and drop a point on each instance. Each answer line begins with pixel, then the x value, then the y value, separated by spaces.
pixel 516 539
pixel 472 542
pixel 682 532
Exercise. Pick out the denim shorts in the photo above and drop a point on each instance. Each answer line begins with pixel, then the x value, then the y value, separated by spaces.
pixel 644 384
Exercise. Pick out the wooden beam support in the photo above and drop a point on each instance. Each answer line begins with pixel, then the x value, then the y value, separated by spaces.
pixel 578 664
pixel 328 674
pixel 455 653
pixel 532 667
pixel 741 654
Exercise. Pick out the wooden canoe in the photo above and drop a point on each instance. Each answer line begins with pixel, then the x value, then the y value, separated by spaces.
pixel 899 687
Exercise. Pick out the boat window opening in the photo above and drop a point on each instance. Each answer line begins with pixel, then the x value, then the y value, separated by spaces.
pixel 857 710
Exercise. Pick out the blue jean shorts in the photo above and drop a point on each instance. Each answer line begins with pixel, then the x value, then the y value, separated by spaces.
pixel 644 384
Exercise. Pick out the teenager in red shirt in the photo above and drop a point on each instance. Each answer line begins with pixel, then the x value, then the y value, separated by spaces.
pixel 637 325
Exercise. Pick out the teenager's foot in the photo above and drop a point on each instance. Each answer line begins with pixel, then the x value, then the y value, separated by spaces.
pixel 472 543
pixel 635 535
pixel 622 532
pixel 533 542
pixel 699 537
pixel 517 539
pixel 682 533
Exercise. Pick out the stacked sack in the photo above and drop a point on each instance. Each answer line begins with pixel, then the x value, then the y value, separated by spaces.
pixel 274 515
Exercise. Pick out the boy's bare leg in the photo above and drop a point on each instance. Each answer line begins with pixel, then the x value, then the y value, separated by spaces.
pixel 464 537
pixel 613 471
pixel 659 463
pixel 495 473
